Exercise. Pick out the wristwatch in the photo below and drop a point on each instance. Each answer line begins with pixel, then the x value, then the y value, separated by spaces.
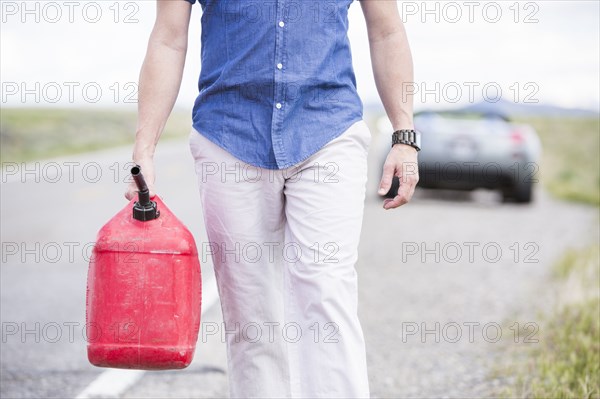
pixel 409 137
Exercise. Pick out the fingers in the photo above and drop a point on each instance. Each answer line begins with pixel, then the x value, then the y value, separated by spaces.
pixel 132 191
pixel 408 175
pixel 151 189
pixel 150 181
pixel 405 193
pixel 386 179
pixel 147 169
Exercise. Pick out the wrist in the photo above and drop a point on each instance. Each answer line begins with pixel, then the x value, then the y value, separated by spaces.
pixel 408 137
pixel 405 122
pixel 403 126
pixel 142 159
pixel 143 152
pixel 404 147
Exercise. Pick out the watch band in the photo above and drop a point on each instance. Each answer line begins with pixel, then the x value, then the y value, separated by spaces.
pixel 407 136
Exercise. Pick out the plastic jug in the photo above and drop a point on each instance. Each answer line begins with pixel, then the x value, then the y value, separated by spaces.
pixel 143 289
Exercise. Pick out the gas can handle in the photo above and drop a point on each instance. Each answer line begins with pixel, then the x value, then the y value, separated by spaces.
pixel 144 209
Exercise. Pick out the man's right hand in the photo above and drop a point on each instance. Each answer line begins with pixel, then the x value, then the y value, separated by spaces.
pixel 147 167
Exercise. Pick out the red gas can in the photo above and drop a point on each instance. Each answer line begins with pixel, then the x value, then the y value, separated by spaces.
pixel 143 289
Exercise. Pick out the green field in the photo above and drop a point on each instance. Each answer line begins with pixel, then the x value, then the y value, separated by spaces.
pixel 570 164
pixel 30 134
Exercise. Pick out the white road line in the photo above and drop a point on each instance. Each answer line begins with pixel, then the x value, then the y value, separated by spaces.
pixel 112 383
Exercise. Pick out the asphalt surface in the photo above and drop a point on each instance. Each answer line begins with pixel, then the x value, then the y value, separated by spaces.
pixel 440 279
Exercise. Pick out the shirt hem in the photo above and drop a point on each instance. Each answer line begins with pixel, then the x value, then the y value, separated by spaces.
pixel 276 165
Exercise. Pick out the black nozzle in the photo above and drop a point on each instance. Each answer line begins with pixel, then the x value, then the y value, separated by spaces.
pixel 144 209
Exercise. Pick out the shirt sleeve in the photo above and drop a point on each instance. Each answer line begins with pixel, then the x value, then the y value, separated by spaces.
pixel 191 1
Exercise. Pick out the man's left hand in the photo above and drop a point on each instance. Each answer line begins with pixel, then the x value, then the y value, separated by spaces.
pixel 401 162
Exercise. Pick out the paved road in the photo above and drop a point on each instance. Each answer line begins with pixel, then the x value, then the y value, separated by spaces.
pixel 439 279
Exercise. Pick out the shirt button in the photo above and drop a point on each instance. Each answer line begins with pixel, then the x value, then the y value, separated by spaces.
pixel 279 66
pixel 281 24
pixel 278 105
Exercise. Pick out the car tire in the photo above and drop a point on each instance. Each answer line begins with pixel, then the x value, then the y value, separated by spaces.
pixel 523 192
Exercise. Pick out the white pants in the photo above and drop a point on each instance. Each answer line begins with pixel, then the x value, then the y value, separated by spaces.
pixel 284 245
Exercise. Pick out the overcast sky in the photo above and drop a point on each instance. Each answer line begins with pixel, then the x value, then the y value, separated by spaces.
pixel 85 53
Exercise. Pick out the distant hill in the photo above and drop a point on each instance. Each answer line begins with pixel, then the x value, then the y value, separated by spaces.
pixel 509 109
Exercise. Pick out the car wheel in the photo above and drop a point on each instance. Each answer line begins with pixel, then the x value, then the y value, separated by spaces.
pixel 523 192
pixel 507 195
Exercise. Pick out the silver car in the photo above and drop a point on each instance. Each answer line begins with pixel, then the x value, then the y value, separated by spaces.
pixel 465 151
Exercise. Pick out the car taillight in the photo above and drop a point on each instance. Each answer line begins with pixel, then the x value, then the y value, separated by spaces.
pixel 516 137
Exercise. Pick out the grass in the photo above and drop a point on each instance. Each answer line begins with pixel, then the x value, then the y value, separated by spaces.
pixel 570 165
pixel 566 362
pixel 29 134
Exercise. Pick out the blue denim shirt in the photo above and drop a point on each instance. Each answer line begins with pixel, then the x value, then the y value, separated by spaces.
pixel 277 82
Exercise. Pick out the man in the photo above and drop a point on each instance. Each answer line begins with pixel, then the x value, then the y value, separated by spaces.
pixel 280 150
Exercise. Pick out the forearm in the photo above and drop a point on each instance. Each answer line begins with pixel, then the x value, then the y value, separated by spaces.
pixel 393 71
pixel 160 80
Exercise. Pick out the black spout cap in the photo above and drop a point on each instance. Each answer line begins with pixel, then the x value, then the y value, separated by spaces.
pixel 144 209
